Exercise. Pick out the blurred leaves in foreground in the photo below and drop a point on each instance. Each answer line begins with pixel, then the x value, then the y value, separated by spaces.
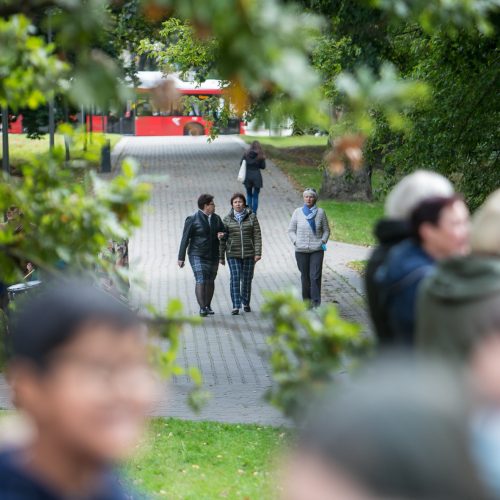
pixel 309 349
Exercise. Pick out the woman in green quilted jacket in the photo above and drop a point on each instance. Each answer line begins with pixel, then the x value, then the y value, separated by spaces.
pixel 242 245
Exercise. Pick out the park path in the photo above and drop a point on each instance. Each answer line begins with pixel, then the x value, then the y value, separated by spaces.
pixel 230 351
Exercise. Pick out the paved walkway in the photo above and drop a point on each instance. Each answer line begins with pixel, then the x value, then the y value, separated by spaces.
pixel 230 351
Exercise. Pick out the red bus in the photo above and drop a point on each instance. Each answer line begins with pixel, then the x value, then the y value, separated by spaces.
pixel 153 115
pixel 181 115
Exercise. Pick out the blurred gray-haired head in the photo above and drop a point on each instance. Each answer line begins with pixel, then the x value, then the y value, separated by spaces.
pixel 412 190
pixel 401 430
pixel 485 229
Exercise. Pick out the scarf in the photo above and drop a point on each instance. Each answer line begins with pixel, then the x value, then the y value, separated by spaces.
pixel 310 214
pixel 239 215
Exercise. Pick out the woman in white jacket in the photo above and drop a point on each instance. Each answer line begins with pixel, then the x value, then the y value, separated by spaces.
pixel 309 232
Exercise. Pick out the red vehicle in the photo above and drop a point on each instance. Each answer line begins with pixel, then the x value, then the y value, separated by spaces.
pixel 156 114
pixel 163 106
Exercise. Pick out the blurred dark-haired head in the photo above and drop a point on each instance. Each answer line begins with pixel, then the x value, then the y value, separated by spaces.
pixel 441 226
pixel 79 368
pixel 46 320
pixel 399 431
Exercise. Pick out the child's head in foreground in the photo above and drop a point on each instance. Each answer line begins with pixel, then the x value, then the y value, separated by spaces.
pixel 79 369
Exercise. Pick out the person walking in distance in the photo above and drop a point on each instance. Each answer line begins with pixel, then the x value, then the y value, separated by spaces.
pixel 256 161
pixel 243 246
pixel 309 232
pixel 200 239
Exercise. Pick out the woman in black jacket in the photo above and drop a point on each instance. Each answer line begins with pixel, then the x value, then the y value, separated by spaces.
pixel 201 235
pixel 256 162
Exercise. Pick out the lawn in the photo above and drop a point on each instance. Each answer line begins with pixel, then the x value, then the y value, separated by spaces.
pixel 207 460
pixel 292 141
pixel 22 148
pixel 358 265
pixel 300 157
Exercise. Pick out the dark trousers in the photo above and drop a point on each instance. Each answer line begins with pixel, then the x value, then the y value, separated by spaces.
pixel 311 267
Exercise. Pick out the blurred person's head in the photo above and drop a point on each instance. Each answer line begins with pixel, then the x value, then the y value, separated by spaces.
pixel 485 228
pixel 79 369
pixel 399 432
pixel 414 188
pixel 441 226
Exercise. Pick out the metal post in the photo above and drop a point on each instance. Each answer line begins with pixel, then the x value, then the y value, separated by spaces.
pixel 84 125
pixel 91 125
pixel 5 139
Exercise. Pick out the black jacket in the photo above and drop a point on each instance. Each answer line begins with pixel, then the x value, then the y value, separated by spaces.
pixel 388 233
pixel 200 238
pixel 254 166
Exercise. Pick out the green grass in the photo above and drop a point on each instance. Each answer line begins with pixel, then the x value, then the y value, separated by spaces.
pixel 352 221
pixel 206 460
pixel 21 148
pixel 292 141
pixel 300 158
pixel 357 265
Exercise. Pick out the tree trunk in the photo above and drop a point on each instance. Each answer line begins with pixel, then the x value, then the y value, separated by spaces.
pixel 349 186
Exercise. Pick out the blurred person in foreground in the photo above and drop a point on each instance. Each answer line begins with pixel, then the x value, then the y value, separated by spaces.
pixel 79 371
pixel 394 228
pixel 400 432
pixel 440 229
pixel 459 320
pixel 462 297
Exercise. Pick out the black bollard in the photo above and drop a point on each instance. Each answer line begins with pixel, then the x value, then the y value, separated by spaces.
pixel 106 158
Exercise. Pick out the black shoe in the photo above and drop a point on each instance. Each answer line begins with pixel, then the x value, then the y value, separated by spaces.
pixel 247 309
pixel 209 310
pixel 203 312
pixel 235 312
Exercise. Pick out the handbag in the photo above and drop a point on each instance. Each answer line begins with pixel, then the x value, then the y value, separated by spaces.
pixel 242 174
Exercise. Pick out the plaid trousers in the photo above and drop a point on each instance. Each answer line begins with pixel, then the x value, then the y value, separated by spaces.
pixel 241 280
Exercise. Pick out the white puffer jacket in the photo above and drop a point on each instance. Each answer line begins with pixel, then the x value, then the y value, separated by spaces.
pixel 301 234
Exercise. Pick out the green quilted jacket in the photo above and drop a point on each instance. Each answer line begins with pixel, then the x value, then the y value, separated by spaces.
pixel 243 240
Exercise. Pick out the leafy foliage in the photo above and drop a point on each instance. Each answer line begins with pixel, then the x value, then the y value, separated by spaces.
pixel 179 47
pixel 450 17
pixel 308 350
pixel 29 70
pixel 276 70
pixel 457 132
pixel 68 215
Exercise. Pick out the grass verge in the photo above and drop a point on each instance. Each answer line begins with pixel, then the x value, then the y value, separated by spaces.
pixel 300 158
pixel 357 265
pixel 21 148
pixel 206 460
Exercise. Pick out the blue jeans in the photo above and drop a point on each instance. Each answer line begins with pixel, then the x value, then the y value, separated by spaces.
pixel 253 198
